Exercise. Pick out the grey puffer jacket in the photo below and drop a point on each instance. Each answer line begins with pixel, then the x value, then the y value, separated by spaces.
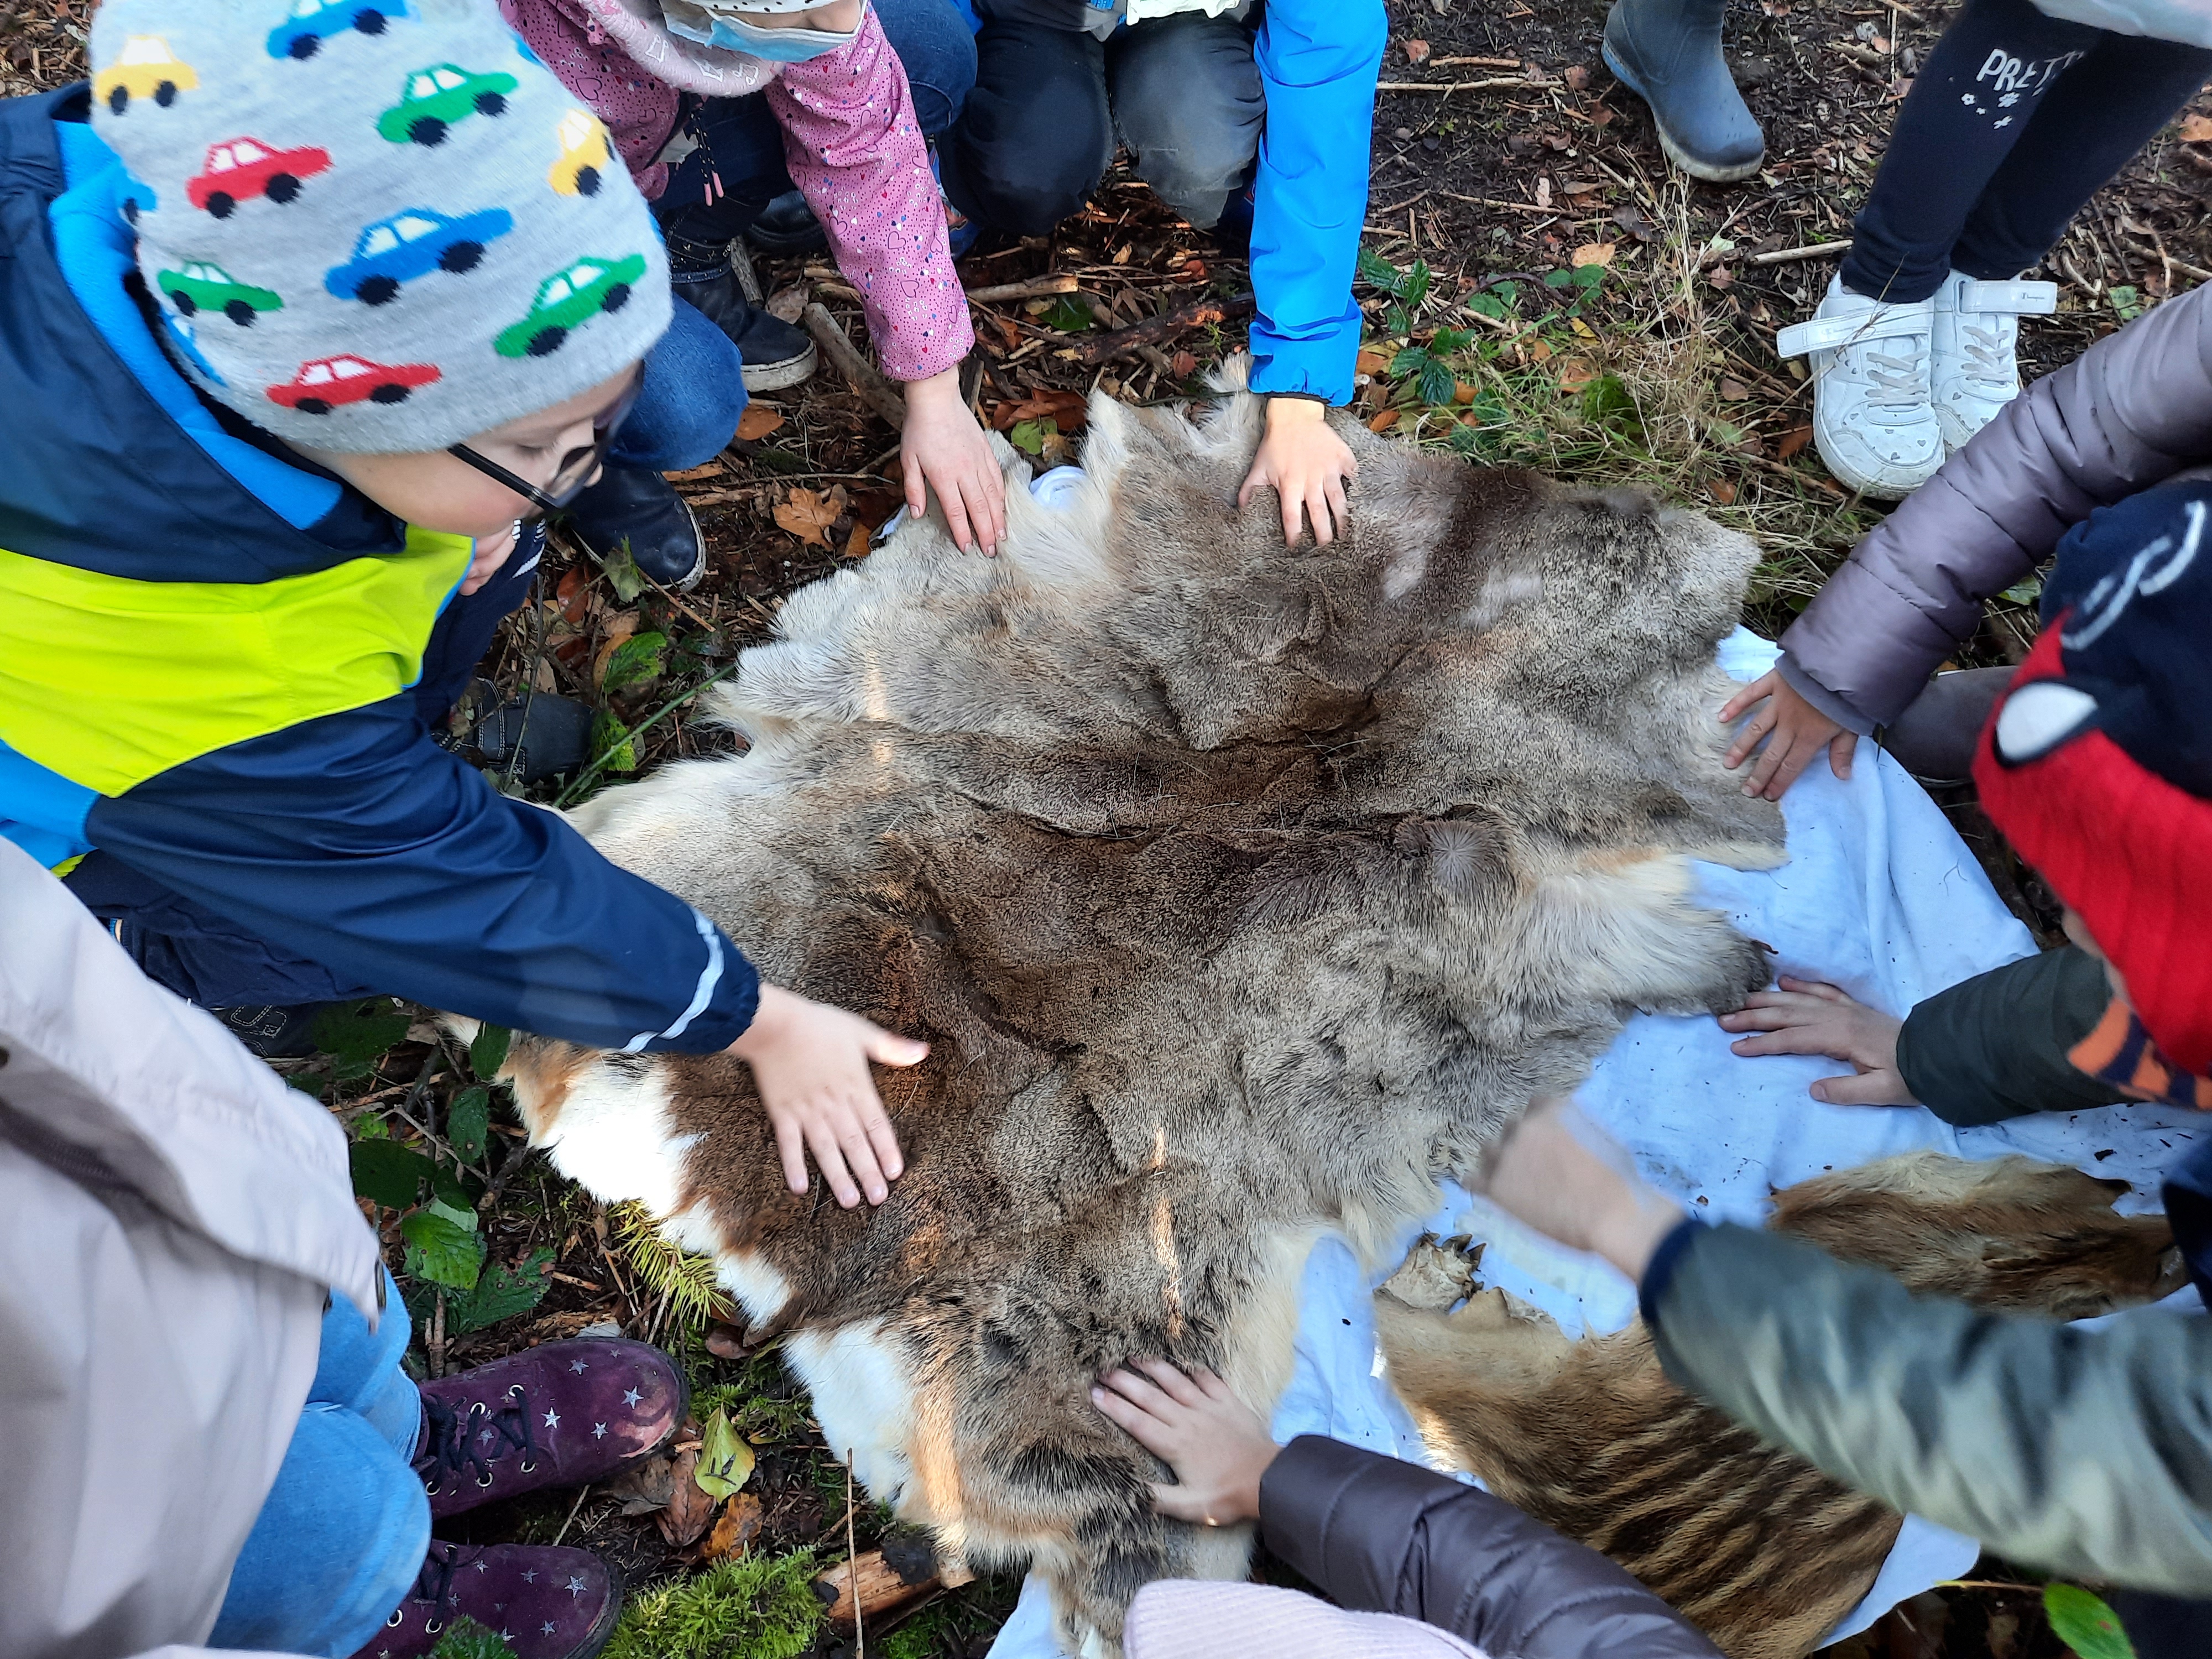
pixel 2189 21
pixel 2132 412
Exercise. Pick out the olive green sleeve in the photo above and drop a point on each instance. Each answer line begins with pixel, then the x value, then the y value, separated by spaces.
pixel 1995 1046
pixel 2084 1453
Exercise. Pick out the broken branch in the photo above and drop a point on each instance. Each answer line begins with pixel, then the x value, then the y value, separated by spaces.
pixel 1784 256
pixel 1159 330
pixel 865 379
pixel 1036 289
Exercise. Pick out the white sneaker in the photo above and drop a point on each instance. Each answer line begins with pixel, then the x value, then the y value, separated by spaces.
pixel 1874 417
pixel 1973 364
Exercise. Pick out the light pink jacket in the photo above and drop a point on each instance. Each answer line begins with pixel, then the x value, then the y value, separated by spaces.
pixel 850 138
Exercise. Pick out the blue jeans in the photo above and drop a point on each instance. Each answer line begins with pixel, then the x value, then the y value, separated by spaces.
pixel 343 1531
pixel 740 143
pixel 1050 104
pixel 687 410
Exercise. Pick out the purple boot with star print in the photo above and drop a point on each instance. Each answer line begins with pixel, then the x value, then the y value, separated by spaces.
pixel 546 1602
pixel 564 1414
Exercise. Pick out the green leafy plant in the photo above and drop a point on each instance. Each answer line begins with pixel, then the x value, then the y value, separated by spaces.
pixel 1029 436
pixel 1407 288
pixel 1427 368
pixel 636 661
pixel 624 575
pixel 752 1608
pixel 2085 1623
pixel 464 1638
pixel 356 1035
pixel 2127 305
pixel 487 1050
pixel 468 1122
pixel 1069 314
pixel 500 1292
pixel 443 1245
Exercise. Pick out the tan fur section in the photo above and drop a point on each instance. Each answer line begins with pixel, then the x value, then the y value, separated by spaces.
pixel 1754 1545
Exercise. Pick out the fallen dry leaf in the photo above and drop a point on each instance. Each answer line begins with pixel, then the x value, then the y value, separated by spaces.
pixel 1067 410
pixel 1792 442
pixel 856 545
pixel 808 513
pixel 726 1342
pixel 1733 390
pixel 1576 373
pixel 1577 76
pixel 787 304
pixel 1383 422
pixel 693 474
pixel 1193 271
pixel 1543 192
pixel 689 1510
pixel 574 594
pixel 735 1529
pixel 1722 278
pixel 1182 365
pixel 1540 351
pixel 1595 253
pixel 1372 360
pixel 1723 492
pixel 758 421
pixel 2196 130
pixel 1598 115
pixel 644 1488
pixel 1416 51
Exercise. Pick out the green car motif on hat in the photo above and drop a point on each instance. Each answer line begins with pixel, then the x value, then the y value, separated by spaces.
pixel 200 286
pixel 568 300
pixel 437 98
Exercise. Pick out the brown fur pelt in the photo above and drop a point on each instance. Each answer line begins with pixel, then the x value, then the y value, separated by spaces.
pixel 1240 892
pixel 1756 1546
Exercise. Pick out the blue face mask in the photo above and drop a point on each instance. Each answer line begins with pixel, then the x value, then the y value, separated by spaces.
pixel 694 22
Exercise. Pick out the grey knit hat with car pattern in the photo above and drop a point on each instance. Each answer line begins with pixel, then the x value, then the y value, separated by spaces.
pixel 372 226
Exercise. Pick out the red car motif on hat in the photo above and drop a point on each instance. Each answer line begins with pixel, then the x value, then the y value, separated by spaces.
pixel 328 383
pixel 240 169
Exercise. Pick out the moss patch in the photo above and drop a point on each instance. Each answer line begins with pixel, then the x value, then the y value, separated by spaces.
pixel 760 1608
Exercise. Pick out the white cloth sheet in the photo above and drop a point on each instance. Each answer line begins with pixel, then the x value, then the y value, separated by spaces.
pixel 1880 897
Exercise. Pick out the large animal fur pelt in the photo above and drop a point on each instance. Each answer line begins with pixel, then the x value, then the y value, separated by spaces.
pixel 1240 892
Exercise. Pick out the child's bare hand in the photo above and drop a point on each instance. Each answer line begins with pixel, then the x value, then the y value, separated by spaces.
pixel 1216 1445
pixel 1807 1017
pixel 1308 466
pixel 1795 731
pixel 943 448
pixel 810 1061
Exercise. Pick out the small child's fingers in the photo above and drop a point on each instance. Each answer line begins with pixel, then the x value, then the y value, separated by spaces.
pixel 790 1149
pixel 955 517
pixel 1140 1391
pixel 885 1139
pixel 1748 738
pixel 1173 1382
pixel 1841 748
pixel 1212 1386
pixel 822 1141
pixel 1779 765
pixel 1339 505
pixel 1773 1011
pixel 1140 1425
pixel 860 1156
pixel 1882 1088
pixel 1817 988
pixel 1757 690
pixel 1790 1040
pixel 1317 514
pixel 917 487
pixel 1294 509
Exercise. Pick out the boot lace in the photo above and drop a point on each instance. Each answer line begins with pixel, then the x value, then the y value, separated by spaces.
pixel 457 1445
pixel 1897 379
pixel 433 1584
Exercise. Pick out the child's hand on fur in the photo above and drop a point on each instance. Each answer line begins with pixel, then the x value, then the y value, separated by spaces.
pixel 1807 1017
pixel 810 1061
pixel 1308 466
pixel 1795 731
pixel 943 449
pixel 1216 1445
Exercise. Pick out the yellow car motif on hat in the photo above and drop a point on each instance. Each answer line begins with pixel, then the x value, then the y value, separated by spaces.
pixel 584 154
pixel 145 67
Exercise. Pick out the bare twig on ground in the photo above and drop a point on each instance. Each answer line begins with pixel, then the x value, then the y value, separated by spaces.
pixel 1784 255
pixel 1159 330
pixel 1036 288
pixel 867 379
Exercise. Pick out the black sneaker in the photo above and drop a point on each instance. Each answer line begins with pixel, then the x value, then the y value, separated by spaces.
pixel 535 736
pixel 775 354
pixel 788 226
pixel 634 508
pixel 271 1032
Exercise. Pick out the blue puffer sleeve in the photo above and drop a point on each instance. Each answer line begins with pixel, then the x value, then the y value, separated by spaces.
pixel 1318 63
pixel 356 842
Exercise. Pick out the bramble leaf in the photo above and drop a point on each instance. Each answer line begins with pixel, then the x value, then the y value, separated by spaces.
pixel 441 1248
pixel 487 1053
pixel 388 1173
pixel 2085 1623
pixel 468 1121
pixel 636 661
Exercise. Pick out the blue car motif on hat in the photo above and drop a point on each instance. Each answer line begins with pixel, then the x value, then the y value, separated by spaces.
pixel 411 243
pixel 302 34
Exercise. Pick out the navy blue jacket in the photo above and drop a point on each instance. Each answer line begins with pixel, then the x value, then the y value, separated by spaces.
pixel 351 838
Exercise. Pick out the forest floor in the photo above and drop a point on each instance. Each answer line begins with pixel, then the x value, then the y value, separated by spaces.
pixel 1542 290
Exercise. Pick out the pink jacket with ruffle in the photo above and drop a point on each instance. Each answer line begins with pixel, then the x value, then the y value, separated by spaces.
pixel 850 138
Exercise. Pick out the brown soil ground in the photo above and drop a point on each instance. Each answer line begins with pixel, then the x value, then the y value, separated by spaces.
pixel 1537 154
